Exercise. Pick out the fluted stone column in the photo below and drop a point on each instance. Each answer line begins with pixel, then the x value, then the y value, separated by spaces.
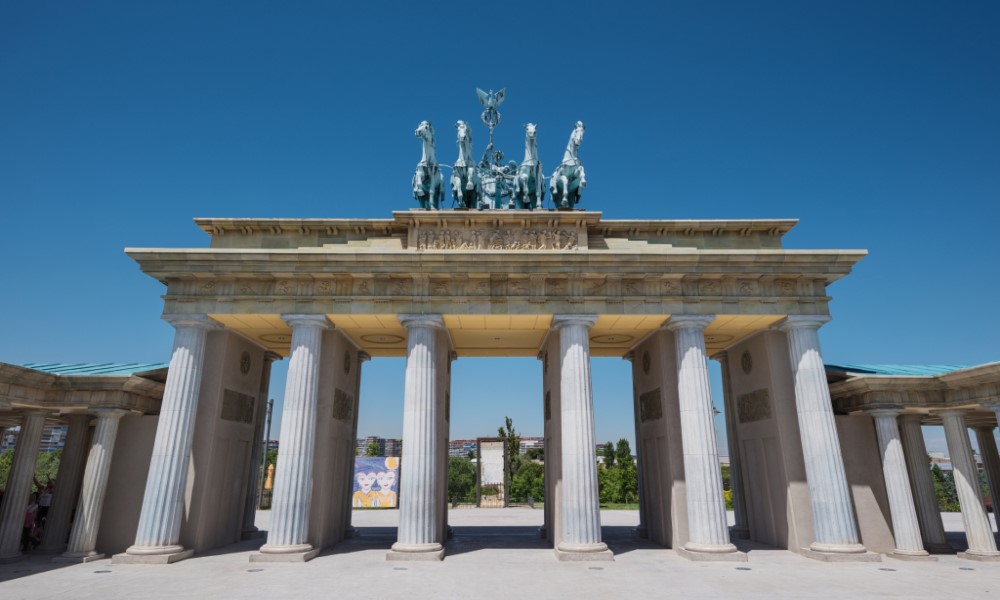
pixel 156 540
pixel 830 497
pixel 287 540
pixel 708 532
pixel 257 452
pixel 83 539
pixel 991 463
pixel 741 527
pixel 581 503
pixel 924 497
pixel 19 480
pixel 642 530
pixel 905 527
pixel 978 532
pixel 349 530
pixel 74 455
pixel 418 511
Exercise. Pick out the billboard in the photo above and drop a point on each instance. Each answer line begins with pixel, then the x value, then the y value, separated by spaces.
pixel 376 481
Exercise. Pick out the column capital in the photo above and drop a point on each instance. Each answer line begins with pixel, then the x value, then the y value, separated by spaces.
pixel 884 411
pixel 910 417
pixel 452 356
pixel 721 356
pixel 110 413
pixel 992 405
pixel 363 356
pixel 560 321
pixel 629 356
pixel 804 321
pixel 950 412
pixel 199 321
pixel 307 320
pixel 688 322
pixel 983 428
pixel 271 356
pixel 410 321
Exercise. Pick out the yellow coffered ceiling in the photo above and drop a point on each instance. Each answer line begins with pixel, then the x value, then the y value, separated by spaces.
pixel 493 335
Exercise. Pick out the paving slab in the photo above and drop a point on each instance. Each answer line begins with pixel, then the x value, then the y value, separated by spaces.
pixel 497 553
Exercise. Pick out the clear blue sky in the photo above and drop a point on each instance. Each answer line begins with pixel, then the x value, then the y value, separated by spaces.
pixel 875 123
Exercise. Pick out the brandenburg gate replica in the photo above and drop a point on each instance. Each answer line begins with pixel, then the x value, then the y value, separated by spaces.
pixel 499 275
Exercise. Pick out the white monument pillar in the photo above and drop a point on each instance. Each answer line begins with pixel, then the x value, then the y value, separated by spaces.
pixel 741 526
pixel 991 463
pixel 257 452
pixel 581 503
pixel 70 474
pixel 349 530
pixel 287 540
pixel 19 480
pixel 905 527
pixel 83 539
pixel 925 499
pixel 708 532
pixel 832 511
pixel 156 540
pixel 642 530
pixel 418 526
pixel 978 532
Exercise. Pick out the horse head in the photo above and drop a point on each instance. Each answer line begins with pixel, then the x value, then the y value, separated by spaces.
pixel 425 131
pixel 530 131
pixel 464 133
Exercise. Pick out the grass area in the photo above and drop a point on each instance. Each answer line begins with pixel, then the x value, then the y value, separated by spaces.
pixel 620 505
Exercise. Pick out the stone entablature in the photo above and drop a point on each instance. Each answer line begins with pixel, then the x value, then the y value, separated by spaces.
pixel 969 389
pixel 488 230
pixel 27 389
pixel 493 262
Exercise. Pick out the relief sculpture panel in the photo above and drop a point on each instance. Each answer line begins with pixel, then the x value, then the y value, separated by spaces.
pixel 497 239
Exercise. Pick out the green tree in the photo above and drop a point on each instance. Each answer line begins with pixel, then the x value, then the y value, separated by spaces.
pixel 513 442
pixel 47 466
pixel 535 454
pixel 726 477
pixel 623 453
pixel 608 455
pixel 6 460
pixel 372 449
pixel 944 489
pixel 529 480
pixel 272 459
pixel 461 479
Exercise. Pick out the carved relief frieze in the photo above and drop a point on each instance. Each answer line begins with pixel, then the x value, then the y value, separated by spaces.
pixel 497 238
pixel 650 406
pixel 754 406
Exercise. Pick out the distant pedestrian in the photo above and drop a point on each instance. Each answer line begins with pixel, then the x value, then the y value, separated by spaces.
pixel 30 522
pixel 44 502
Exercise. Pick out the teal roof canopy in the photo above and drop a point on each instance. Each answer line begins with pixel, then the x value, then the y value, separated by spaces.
pixel 95 368
pixel 899 370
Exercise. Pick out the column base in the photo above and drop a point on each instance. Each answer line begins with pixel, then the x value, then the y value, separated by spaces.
pixel 415 552
pixel 350 533
pixel 834 556
pixel 641 532
pixel 295 555
pixel 699 552
pixel 542 532
pixel 916 556
pixel 567 552
pixel 980 557
pixel 939 548
pixel 251 534
pixel 151 555
pixel 740 533
pixel 12 558
pixel 78 557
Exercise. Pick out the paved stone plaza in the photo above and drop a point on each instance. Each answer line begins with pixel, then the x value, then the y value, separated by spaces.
pixel 496 553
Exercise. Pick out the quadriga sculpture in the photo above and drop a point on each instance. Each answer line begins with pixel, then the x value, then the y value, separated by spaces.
pixel 465 186
pixel 569 179
pixel 428 185
pixel 529 183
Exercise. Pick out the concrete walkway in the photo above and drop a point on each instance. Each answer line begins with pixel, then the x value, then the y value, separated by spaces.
pixel 496 554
